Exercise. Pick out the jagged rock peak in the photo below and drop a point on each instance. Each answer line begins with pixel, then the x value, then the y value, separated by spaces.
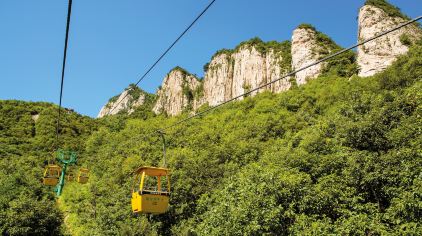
pixel 375 17
pixel 127 101
pixel 251 64
pixel 180 91
pixel 308 46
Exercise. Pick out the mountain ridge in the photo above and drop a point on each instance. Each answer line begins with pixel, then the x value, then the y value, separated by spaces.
pixel 338 155
pixel 252 63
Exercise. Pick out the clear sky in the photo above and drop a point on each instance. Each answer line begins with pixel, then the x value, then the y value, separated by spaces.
pixel 113 42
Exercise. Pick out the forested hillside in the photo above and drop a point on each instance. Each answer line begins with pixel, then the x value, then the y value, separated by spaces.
pixel 27 143
pixel 335 156
pixel 339 155
pixel 333 149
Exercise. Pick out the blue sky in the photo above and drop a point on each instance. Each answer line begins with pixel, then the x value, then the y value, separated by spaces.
pixel 112 43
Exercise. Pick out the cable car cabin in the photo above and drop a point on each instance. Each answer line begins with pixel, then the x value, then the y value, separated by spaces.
pixel 51 175
pixel 151 190
pixel 70 177
pixel 83 176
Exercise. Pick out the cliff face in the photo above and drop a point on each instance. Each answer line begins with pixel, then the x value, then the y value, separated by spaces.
pixel 127 101
pixel 178 92
pixel 278 64
pixel 229 74
pixel 253 64
pixel 304 47
pixel 308 46
pixel 377 55
pixel 218 79
pixel 249 70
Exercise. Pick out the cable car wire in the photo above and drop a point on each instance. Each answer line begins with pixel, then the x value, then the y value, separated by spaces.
pixel 165 53
pixel 291 73
pixel 69 11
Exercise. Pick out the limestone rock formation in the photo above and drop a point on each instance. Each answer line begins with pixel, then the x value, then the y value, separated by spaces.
pixel 377 55
pixel 249 70
pixel 218 79
pixel 127 101
pixel 305 50
pixel 179 91
pixel 278 64
pixel 252 64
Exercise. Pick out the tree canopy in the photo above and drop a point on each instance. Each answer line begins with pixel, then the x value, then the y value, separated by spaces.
pixel 338 155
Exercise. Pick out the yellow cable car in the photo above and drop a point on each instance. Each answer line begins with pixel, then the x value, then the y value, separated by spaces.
pixel 149 195
pixel 51 175
pixel 83 176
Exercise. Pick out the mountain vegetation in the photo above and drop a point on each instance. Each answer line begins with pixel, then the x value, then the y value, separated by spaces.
pixel 27 143
pixel 391 10
pixel 338 155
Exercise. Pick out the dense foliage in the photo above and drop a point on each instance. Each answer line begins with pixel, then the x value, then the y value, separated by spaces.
pixel 336 156
pixel 27 142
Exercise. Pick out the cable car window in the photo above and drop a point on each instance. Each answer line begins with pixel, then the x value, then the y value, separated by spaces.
pixel 150 184
pixel 165 184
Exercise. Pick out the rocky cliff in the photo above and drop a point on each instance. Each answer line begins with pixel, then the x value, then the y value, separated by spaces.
pixel 377 55
pixel 179 91
pixel 127 101
pixel 229 74
pixel 304 48
pixel 309 46
pixel 218 79
pixel 252 64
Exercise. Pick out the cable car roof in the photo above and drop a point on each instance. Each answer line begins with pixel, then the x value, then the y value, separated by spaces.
pixel 153 171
